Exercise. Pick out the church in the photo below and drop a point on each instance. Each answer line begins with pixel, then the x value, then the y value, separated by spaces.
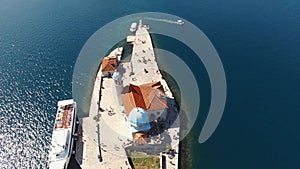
pixel 143 104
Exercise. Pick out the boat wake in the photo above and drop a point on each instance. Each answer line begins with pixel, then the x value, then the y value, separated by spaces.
pixel 177 22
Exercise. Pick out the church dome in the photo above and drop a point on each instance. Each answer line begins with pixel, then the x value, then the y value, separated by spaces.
pixel 139 119
pixel 138 115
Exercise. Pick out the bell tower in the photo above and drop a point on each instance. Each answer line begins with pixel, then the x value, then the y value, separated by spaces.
pixel 118 83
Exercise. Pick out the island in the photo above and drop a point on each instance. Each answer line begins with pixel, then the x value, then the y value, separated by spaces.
pixel 133 120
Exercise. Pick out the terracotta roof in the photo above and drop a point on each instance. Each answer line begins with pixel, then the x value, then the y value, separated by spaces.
pixel 109 64
pixel 139 138
pixel 128 102
pixel 150 96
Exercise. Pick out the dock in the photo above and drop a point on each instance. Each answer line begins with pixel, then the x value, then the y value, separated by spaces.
pixel 106 131
pixel 112 154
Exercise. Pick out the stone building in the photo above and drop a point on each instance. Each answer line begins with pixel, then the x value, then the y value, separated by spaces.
pixel 109 65
pixel 150 97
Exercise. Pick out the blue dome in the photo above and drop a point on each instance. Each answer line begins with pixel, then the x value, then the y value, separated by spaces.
pixel 138 115
pixel 139 120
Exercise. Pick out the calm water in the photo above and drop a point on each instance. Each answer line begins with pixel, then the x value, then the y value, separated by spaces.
pixel 258 43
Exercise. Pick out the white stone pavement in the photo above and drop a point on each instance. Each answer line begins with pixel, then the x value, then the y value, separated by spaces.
pixel 113 154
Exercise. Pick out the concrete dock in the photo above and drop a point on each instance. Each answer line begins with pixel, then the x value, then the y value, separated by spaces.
pixel 105 130
pixel 112 154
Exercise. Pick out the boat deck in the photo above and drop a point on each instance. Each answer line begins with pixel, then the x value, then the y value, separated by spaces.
pixel 64 117
pixel 62 142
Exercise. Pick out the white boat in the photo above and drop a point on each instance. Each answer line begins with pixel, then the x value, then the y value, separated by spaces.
pixel 63 134
pixel 133 27
pixel 180 22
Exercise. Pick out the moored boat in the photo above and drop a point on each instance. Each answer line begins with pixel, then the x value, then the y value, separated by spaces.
pixel 133 27
pixel 63 134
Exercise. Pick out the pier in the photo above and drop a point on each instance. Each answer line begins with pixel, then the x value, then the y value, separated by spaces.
pixel 101 145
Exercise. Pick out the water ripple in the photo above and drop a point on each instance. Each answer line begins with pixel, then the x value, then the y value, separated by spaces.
pixel 34 75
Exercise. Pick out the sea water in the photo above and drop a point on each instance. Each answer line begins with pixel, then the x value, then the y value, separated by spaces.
pixel 257 43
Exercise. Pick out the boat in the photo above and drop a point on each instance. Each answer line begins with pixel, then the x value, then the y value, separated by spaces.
pixel 180 22
pixel 63 134
pixel 133 27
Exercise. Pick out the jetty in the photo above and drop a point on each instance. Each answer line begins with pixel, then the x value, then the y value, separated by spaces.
pixel 132 109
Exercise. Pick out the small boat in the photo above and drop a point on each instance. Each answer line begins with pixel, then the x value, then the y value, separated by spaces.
pixel 147 26
pixel 63 134
pixel 133 27
pixel 180 22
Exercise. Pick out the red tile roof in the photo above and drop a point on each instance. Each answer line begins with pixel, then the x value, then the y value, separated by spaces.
pixel 150 96
pixel 109 64
pixel 139 138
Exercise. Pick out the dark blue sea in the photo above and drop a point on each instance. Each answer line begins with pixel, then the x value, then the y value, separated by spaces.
pixel 258 43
